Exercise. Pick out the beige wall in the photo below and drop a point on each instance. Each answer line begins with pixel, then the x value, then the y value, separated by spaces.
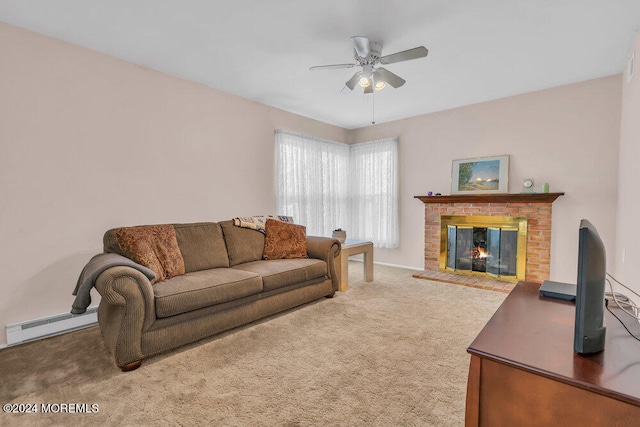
pixel 89 142
pixel 567 136
pixel 628 226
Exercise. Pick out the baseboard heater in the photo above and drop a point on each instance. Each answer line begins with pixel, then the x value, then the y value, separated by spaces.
pixel 57 324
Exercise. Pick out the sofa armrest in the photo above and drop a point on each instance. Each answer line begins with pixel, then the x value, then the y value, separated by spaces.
pixel 126 310
pixel 326 249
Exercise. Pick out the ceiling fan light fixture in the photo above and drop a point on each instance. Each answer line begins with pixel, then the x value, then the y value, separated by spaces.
pixel 366 76
pixel 379 81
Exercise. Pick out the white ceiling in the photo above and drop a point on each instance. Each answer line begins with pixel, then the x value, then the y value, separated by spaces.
pixel 261 50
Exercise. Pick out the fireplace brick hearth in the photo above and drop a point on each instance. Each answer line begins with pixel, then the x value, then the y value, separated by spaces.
pixel 535 207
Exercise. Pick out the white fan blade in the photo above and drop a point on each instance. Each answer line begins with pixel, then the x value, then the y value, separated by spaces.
pixel 361 44
pixel 405 55
pixel 351 83
pixel 393 79
pixel 331 67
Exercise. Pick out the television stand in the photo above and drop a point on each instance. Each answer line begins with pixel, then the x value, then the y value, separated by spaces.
pixel 524 372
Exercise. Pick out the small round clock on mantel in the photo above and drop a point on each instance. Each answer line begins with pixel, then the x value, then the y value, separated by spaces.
pixel 528 185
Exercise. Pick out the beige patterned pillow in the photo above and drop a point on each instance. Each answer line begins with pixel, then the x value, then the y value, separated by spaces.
pixel 283 240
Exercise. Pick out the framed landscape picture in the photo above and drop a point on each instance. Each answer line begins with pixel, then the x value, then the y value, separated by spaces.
pixel 482 175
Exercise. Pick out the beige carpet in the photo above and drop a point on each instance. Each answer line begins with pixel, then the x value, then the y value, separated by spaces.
pixel 388 352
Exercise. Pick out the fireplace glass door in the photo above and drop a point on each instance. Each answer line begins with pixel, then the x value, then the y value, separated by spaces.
pixel 502 249
pixel 490 250
pixel 467 248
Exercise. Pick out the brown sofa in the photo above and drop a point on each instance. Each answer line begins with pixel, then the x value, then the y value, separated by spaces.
pixel 226 284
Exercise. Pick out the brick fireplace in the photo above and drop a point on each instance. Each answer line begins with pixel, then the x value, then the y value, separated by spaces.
pixel 536 208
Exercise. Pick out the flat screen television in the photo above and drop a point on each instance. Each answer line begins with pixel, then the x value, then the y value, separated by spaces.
pixel 590 330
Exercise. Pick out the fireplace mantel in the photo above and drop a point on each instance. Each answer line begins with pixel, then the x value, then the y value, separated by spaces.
pixel 492 198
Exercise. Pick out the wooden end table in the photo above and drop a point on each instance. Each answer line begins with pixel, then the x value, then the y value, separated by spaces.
pixel 354 247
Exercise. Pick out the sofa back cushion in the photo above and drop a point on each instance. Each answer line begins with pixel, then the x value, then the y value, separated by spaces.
pixel 202 246
pixel 243 244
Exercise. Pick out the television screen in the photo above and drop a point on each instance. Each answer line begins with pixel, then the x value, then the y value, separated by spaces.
pixel 589 333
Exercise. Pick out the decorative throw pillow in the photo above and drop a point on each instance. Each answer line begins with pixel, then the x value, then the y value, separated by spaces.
pixel 155 247
pixel 284 240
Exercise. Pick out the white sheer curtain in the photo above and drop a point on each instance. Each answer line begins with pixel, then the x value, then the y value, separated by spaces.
pixel 327 185
pixel 374 192
pixel 312 183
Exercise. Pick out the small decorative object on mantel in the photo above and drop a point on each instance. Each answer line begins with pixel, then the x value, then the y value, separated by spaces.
pixel 340 234
pixel 481 175
pixel 545 187
pixel 528 185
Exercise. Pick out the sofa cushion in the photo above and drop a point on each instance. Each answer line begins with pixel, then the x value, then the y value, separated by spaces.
pixel 155 247
pixel 202 246
pixel 283 240
pixel 279 273
pixel 203 288
pixel 243 244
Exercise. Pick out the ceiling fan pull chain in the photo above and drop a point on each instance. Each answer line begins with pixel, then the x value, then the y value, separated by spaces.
pixel 373 108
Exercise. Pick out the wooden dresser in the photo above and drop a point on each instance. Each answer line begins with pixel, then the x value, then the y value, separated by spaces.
pixel 524 372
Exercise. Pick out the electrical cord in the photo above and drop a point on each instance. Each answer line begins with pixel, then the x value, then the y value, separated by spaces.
pixel 623 285
pixel 606 304
pixel 622 302
pixel 621 299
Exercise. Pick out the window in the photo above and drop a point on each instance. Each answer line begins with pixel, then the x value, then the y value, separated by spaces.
pixel 374 192
pixel 327 185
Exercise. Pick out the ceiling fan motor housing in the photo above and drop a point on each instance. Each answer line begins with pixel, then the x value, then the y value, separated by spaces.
pixel 373 58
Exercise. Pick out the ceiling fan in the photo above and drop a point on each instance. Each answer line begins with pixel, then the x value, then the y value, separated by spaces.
pixel 368 54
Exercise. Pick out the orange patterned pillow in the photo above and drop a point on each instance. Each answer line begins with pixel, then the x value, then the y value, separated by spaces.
pixel 284 240
pixel 155 247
